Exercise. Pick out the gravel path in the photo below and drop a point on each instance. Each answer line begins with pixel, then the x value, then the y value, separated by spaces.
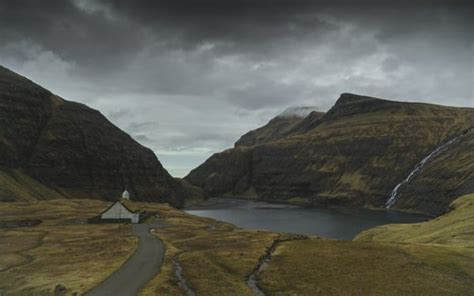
pixel 141 267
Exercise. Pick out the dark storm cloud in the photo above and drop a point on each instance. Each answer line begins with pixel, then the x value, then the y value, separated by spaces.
pixel 244 24
pixel 72 33
pixel 114 31
pixel 186 78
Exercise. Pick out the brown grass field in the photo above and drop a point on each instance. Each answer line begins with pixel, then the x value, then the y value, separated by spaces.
pixel 216 257
pixel 61 250
pixel 431 258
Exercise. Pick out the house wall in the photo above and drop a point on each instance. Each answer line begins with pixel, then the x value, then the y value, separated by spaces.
pixel 117 211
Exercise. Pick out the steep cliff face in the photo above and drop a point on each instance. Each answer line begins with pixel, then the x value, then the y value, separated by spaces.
pixel 443 179
pixel 354 155
pixel 72 150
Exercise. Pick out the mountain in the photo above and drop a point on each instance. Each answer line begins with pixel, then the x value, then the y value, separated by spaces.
pixel 284 124
pixel 53 148
pixel 354 155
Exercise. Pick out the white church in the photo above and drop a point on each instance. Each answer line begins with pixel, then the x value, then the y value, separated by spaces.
pixel 119 212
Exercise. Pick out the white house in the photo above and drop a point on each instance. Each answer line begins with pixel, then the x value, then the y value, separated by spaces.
pixel 118 211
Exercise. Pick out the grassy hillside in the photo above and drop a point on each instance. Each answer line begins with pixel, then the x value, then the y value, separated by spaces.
pixel 454 229
pixel 17 186
pixel 278 128
pixel 72 149
pixel 353 156
pixel 275 129
pixel 325 267
pixel 446 242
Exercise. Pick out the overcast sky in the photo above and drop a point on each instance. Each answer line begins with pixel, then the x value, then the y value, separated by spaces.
pixel 187 78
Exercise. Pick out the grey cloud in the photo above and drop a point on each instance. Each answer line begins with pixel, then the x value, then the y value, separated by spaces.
pixel 116 115
pixel 189 77
pixel 266 93
pixel 140 126
pixel 143 139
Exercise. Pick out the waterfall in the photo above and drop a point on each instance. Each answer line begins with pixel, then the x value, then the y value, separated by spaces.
pixel 393 196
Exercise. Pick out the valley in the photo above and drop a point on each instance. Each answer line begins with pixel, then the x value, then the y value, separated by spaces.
pixel 373 197
pixel 236 148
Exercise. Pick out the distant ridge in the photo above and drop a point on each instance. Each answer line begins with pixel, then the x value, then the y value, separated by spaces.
pixel 290 121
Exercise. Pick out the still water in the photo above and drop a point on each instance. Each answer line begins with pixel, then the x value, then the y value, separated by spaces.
pixel 339 223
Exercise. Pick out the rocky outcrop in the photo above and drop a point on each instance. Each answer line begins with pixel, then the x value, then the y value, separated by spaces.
pixel 72 150
pixel 354 155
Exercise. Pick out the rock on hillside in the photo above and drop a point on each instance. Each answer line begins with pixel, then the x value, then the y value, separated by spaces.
pixel 353 155
pixel 52 148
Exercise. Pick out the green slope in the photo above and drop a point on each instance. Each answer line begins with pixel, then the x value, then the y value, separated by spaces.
pixel 17 186
pixel 455 228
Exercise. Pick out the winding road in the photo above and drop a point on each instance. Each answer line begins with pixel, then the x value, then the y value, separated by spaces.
pixel 140 268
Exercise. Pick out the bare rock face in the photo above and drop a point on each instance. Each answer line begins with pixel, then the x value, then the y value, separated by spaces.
pixel 354 155
pixel 72 150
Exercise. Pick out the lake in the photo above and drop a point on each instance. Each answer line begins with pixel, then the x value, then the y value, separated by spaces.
pixel 338 223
